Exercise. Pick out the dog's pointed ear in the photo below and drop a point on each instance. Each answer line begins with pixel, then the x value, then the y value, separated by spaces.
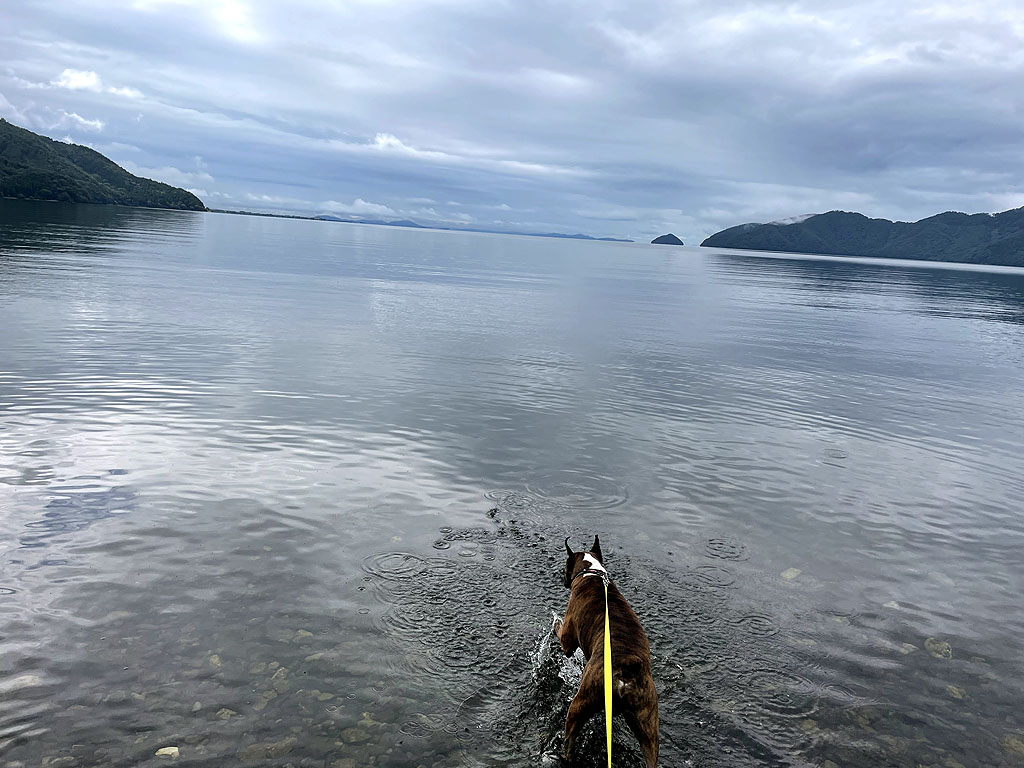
pixel 596 549
pixel 568 549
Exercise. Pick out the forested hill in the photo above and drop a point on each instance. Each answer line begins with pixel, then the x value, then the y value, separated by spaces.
pixel 37 168
pixel 980 238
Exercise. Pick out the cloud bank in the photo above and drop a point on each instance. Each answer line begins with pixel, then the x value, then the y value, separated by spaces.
pixel 614 118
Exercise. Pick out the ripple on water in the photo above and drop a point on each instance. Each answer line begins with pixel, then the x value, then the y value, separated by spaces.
pixel 724 676
pixel 783 693
pixel 759 624
pixel 394 565
pixel 725 549
pixel 579 490
pixel 514 507
pixel 705 579
pixel 423 724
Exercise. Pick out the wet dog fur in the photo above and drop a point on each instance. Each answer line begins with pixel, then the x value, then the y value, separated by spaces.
pixel 633 693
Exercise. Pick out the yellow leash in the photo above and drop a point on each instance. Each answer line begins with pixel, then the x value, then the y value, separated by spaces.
pixel 607 675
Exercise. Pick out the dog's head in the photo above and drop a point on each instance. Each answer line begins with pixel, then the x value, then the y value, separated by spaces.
pixel 576 561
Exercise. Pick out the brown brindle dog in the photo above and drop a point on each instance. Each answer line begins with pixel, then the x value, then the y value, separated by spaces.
pixel 633 692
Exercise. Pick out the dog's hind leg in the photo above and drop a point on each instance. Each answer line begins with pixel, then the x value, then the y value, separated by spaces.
pixel 580 711
pixel 642 718
pixel 587 703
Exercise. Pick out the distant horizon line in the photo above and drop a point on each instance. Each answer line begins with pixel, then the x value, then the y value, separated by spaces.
pixel 412 224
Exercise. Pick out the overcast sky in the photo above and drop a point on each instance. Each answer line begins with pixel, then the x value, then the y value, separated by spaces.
pixel 629 118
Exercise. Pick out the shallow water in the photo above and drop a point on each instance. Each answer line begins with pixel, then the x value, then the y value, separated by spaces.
pixel 278 491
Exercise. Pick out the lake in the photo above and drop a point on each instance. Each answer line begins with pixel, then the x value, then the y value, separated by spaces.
pixel 284 492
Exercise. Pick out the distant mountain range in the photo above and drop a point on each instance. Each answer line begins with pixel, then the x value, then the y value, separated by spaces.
pixel 980 238
pixel 429 225
pixel 37 168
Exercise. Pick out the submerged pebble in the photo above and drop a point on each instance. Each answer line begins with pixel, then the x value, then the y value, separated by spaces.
pixel 267 750
pixel 262 699
pixel 940 649
pixel 354 736
pixel 279 680
pixel 369 722
pixel 1013 743
pixel 168 752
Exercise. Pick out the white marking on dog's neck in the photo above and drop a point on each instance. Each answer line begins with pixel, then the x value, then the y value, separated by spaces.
pixel 593 564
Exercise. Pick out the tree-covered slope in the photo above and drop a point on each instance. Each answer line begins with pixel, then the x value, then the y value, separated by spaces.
pixel 37 168
pixel 979 238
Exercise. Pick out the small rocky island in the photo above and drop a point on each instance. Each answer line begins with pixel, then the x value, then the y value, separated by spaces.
pixel 668 239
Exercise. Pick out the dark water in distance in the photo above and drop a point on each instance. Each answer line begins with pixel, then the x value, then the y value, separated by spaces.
pixel 287 492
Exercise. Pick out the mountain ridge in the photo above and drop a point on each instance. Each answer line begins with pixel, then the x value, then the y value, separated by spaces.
pixel 36 167
pixel 952 236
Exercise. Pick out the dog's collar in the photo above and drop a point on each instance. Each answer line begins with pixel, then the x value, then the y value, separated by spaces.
pixel 589 572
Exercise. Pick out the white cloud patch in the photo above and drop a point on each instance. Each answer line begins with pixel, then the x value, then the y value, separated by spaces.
pixel 126 92
pixel 117 148
pixel 471 156
pixel 84 80
pixel 281 201
pixel 78 80
pixel 168 174
pixel 11 112
pixel 76 121
pixel 358 207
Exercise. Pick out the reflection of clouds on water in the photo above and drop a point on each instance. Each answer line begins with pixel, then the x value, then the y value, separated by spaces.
pixel 779 456
pixel 951 290
pixel 75 507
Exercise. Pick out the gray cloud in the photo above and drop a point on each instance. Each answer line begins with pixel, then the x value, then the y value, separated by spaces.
pixel 614 118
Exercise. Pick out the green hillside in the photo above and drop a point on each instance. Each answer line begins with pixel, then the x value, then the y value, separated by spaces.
pixel 980 238
pixel 37 168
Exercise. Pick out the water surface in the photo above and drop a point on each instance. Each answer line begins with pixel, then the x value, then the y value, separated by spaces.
pixel 291 492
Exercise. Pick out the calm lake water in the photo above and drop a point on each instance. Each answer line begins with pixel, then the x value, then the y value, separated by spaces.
pixel 289 492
